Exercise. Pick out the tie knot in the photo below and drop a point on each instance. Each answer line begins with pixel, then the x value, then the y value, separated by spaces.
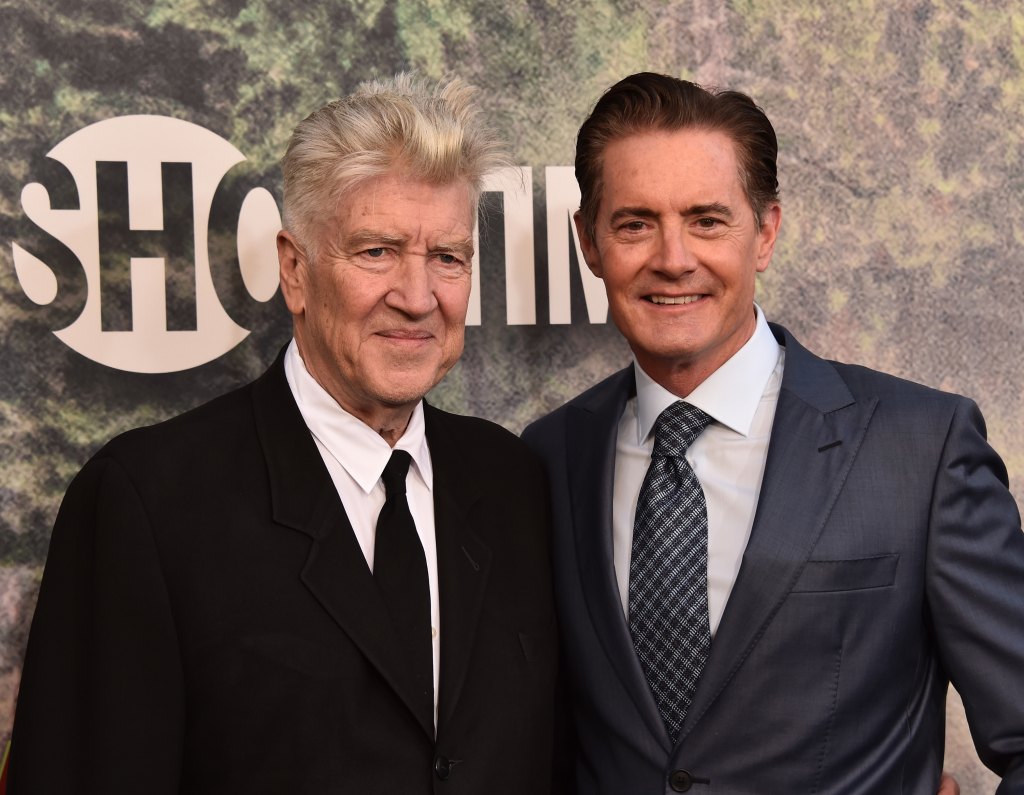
pixel 394 473
pixel 677 427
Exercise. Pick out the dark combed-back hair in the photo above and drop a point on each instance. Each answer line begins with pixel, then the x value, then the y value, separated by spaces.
pixel 647 102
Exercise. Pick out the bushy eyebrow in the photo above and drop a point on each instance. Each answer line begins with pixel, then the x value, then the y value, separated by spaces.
pixel 462 248
pixel 371 239
pixel 632 212
pixel 368 237
pixel 712 208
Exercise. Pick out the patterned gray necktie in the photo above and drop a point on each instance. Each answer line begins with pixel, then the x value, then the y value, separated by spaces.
pixel 668 570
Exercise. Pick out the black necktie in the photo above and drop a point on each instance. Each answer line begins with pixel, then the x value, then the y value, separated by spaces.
pixel 400 569
pixel 668 570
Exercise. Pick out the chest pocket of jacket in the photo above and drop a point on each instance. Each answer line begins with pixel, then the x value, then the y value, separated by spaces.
pixel 823 576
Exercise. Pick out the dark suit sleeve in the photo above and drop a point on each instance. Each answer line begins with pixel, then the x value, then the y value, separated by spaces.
pixel 101 706
pixel 975 592
pixel 565 742
pixel 563 771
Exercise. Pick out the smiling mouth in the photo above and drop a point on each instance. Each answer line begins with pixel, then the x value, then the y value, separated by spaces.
pixel 406 334
pixel 674 300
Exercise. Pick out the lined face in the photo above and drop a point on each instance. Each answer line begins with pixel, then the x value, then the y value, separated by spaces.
pixel 678 248
pixel 380 315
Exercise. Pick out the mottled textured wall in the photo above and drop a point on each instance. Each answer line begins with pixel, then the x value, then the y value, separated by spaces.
pixel 900 129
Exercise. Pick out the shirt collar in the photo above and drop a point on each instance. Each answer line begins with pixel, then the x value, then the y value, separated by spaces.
pixel 730 394
pixel 358 448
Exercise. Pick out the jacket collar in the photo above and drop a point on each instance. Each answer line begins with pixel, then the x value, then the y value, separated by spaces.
pixel 304 499
pixel 816 435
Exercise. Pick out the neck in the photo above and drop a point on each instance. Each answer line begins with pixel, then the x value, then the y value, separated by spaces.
pixel 679 380
pixel 389 422
pixel 390 425
pixel 681 375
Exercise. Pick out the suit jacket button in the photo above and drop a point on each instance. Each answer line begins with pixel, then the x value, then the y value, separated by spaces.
pixel 442 767
pixel 680 781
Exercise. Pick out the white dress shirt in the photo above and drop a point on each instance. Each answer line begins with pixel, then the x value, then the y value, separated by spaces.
pixel 355 456
pixel 728 457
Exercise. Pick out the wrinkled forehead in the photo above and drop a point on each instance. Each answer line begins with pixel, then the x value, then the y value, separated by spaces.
pixel 398 206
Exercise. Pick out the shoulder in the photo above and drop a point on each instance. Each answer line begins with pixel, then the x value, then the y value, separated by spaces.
pixel 861 377
pixel 219 424
pixel 810 376
pixel 478 455
pixel 920 420
pixel 608 394
pixel 474 438
pixel 463 426
pixel 159 471
pixel 902 397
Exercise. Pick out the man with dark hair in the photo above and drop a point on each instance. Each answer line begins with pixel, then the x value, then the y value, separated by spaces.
pixel 317 583
pixel 768 566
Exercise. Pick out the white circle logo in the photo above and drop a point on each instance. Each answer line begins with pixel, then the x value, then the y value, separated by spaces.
pixel 146 186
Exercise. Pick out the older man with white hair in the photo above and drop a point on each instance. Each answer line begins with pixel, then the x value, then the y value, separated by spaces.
pixel 317 583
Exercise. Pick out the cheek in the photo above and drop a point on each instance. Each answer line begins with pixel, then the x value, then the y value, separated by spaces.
pixel 453 301
pixel 454 336
pixel 622 300
pixel 621 270
pixel 327 316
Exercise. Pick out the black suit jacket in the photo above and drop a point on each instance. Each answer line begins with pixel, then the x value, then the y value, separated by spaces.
pixel 886 558
pixel 208 624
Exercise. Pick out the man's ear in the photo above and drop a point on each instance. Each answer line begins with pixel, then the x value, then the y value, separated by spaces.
pixel 291 259
pixel 587 246
pixel 767 235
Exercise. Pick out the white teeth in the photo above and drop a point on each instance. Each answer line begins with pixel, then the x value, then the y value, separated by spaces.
pixel 667 299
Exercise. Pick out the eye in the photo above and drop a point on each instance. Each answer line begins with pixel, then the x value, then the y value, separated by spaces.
pixel 448 259
pixel 633 226
pixel 708 223
pixel 375 253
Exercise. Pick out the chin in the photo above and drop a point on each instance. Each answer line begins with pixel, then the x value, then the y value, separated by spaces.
pixel 396 398
pixel 668 350
pixel 405 393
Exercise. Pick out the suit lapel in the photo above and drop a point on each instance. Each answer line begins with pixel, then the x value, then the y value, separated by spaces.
pixel 591 436
pixel 463 560
pixel 816 434
pixel 304 498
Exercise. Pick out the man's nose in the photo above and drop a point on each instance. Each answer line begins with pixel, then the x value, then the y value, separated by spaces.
pixel 412 287
pixel 674 255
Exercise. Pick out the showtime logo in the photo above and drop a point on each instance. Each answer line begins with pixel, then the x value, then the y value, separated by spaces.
pixel 138 233
pixel 119 231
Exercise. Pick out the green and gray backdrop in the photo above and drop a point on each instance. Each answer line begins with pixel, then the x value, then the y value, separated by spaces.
pixel 899 124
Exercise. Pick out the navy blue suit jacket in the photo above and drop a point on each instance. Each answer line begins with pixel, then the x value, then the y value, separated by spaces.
pixel 886 558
